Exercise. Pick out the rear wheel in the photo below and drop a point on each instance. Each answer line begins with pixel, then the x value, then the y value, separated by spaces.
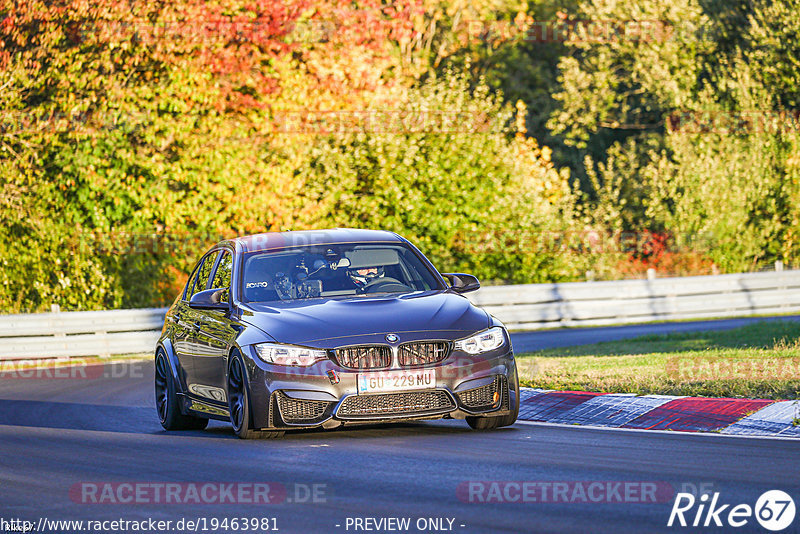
pixel 239 403
pixel 169 411
pixel 488 423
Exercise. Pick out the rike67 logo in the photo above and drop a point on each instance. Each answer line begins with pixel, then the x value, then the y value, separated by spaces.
pixel 774 510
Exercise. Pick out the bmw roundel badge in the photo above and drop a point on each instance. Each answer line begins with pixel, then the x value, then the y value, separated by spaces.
pixel 392 338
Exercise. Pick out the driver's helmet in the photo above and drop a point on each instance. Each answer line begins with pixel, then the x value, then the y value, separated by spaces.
pixel 364 276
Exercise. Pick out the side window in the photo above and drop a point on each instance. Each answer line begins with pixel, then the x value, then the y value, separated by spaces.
pixel 187 292
pixel 203 273
pixel 222 277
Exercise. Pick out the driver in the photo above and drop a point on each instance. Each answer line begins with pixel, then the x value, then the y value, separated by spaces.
pixel 364 276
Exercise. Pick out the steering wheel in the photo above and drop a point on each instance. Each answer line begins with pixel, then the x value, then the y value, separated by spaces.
pixel 383 284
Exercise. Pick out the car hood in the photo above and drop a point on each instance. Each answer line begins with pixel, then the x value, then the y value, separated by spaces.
pixel 334 322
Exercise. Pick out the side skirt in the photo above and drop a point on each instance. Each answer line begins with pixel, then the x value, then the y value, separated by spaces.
pixel 198 408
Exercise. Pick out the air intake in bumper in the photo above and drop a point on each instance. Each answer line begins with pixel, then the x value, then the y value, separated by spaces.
pixel 300 411
pixel 488 397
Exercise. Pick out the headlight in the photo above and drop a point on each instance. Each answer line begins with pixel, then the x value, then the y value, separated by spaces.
pixel 289 354
pixel 483 342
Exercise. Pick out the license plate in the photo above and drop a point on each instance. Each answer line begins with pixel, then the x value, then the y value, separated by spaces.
pixel 396 380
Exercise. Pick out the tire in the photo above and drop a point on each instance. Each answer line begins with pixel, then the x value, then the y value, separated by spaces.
pixel 490 422
pixel 167 407
pixel 239 403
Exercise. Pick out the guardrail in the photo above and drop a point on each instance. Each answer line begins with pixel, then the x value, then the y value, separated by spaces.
pixel 520 307
pixel 90 333
pixel 536 306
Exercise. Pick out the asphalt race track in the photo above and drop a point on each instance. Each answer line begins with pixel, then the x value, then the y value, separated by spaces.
pixel 60 436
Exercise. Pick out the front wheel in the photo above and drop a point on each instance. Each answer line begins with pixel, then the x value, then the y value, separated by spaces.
pixel 490 422
pixel 169 412
pixel 239 403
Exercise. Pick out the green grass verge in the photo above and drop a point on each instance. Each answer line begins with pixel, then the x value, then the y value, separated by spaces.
pixel 761 360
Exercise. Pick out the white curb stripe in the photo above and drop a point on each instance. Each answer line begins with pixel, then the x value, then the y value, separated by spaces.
pixel 612 410
pixel 773 420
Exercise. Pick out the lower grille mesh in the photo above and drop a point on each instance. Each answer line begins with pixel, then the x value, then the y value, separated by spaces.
pixel 301 411
pixel 418 402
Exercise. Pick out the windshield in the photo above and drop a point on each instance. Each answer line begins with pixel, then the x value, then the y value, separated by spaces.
pixel 324 271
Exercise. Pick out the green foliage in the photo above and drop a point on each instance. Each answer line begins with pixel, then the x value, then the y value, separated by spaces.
pixel 704 153
pixel 473 196
pixel 123 122
pixel 106 137
pixel 133 135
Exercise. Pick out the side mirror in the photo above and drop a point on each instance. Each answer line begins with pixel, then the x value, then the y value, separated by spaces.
pixel 210 299
pixel 462 283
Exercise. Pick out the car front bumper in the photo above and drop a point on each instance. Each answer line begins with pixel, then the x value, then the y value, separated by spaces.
pixel 327 395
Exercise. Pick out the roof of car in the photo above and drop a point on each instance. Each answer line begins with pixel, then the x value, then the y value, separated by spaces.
pixel 276 240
